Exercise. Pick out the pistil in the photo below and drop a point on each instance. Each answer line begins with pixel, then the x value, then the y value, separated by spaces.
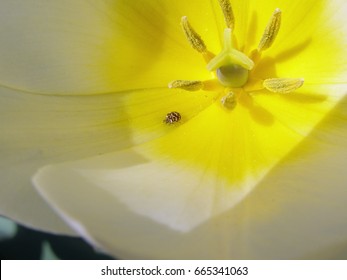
pixel 229 55
pixel 232 66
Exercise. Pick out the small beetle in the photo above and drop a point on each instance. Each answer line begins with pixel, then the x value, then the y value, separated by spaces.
pixel 172 117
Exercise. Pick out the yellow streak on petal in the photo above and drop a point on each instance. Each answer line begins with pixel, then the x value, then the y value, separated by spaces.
pixel 242 144
pixel 238 147
pixel 231 145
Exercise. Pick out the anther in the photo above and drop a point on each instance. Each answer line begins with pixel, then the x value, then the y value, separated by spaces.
pixel 228 13
pixel 229 101
pixel 186 85
pixel 192 36
pixel 271 31
pixel 283 85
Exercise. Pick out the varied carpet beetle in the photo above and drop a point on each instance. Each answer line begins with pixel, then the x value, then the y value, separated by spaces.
pixel 172 117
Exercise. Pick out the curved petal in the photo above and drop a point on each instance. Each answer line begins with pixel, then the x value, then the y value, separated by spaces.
pixel 86 47
pixel 39 129
pixel 215 159
pixel 298 211
pixel 52 46
pixel 189 176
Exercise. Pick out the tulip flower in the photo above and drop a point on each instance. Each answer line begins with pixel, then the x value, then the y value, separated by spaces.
pixel 160 129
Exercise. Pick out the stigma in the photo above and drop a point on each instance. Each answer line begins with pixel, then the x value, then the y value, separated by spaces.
pixel 231 65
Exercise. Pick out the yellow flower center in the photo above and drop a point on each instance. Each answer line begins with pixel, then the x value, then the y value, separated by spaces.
pixel 232 68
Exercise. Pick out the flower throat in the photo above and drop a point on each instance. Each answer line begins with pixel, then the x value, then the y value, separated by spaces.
pixel 231 67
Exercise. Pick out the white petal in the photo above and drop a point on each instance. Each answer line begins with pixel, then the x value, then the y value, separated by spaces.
pixel 179 197
pixel 98 46
pixel 37 130
pixel 44 129
pixel 53 45
pixel 298 211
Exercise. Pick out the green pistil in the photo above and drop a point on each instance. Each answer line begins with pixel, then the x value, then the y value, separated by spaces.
pixel 232 66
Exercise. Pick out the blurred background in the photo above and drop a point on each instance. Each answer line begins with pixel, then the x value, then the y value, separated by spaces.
pixel 21 243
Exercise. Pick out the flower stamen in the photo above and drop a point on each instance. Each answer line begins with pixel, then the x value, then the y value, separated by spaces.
pixel 192 36
pixel 271 31
pixel 283 85
pixel 229 100
pixel 231 67
pixel 228 13
pixel 186 85
pixel 195 39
